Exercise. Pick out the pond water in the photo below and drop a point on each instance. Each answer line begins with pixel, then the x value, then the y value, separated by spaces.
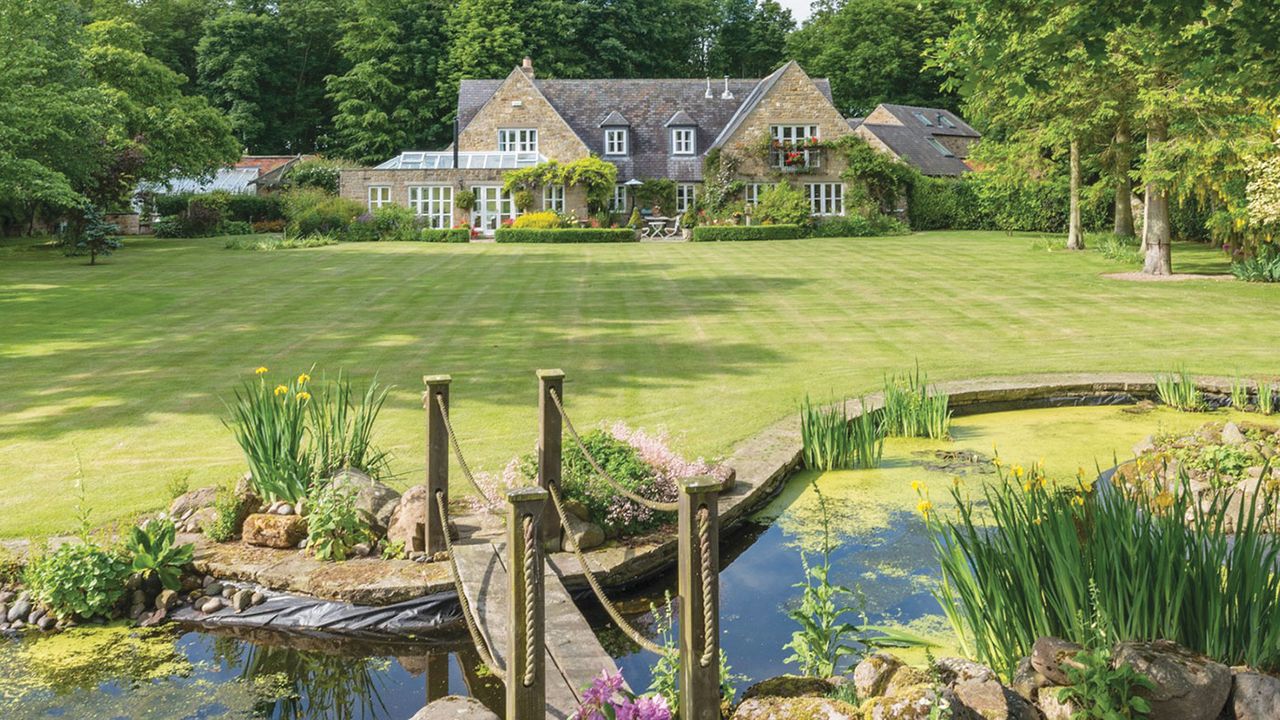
pixel 880 548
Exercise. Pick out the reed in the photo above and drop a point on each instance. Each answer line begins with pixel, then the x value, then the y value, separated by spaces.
pixel 832 440
pixel 1239 394
pixel 1266 397
pixel 269 421
pixel 1040 561
pixel 342 427
pixel 912 409
pixel 1178 390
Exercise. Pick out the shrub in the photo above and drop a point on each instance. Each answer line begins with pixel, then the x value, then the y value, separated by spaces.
pixel 311 212
pixel 268 226
pixel 229 514
pixel 858 226
pixel 445 235
pixel 171 204
pixel 79 580
pixel 93 236
pixel 1119 248
pixel 1262 266
pixel 334 526
pixel 545 220
pixel 725 233
pixel 656 194
pixel 169 226
pixel 564 235
pixel 203 216
pixel 522 199
pixel 154 554
pixel 316 173
pixel 783 204
pixel 269 423
pixel 253 208
pixel 235 227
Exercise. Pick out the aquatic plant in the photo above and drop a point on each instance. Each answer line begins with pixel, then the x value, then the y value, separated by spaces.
pixel 825 637
pixel 1163 565
pixel 1239 394
pixel 1266 397
pixel 341 422
pixel 154 553
pixel 665 674
pixel 1178 390
pixel 912 409
pixel 270 424
pixel 832 440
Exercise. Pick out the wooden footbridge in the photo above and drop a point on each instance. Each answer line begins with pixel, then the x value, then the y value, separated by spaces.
pixel 526 628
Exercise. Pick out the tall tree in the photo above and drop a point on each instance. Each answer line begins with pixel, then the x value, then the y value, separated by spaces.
pixel 170 29
pixel 748 38
pixel 873 51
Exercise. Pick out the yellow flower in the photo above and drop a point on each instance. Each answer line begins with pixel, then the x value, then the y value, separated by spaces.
pixel 1164 500
pixel 1018 471
pixel 1036 521
pixel 996 462
pixel 280 390
pixel 924 507
pixel 304 396
pixel 262 370
pixel 303 378
pixel 1026 486
pixel 917 485
pixel 955 480
pixel 1078 500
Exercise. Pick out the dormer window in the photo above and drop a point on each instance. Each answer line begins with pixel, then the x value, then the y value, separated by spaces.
pixel 615 141
pixel 683 141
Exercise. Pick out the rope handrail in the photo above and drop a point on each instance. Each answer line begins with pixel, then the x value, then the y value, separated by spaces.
pixel 530 584
pixel 622 623
pixel 488 502
pixel 482 647
pixel 568 424
pixel 704 552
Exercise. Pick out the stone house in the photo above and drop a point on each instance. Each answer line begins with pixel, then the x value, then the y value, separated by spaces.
pixel 648 128
pixel 935 141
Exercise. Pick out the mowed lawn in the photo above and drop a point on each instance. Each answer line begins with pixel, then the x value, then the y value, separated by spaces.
pixel 123 368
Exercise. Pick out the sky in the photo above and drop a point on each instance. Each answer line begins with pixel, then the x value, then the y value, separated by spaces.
pixel 799 8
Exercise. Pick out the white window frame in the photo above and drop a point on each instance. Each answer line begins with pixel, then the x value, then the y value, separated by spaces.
pixel 825 199
pixel 433 202
pixel 553 197
pixel 684 141
pixel 616 141
pixel 686 197
pixel 517 140
pixel 751 193
pixel 792 133
pixel 378 196
pixel 618 203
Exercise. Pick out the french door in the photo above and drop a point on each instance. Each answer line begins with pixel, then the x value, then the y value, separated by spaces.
pixel 493 206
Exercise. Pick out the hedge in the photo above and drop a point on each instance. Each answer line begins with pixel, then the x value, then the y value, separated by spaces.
pixel 857 226
pixel 725 233
pixel 564 235
pixel 446 235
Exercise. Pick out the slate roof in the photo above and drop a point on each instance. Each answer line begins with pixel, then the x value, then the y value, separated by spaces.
pixel 912 145
pixel 648 105
pixel 937 116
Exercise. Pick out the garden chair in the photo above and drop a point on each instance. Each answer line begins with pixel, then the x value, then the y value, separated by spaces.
pixel 675 227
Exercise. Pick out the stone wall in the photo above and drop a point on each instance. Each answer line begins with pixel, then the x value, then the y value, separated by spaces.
pixel 518 104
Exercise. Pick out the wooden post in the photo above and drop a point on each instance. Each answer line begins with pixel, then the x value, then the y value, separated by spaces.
pixel 437 676
pixel 437 464
pixel 699 682
pixel 550 449
pixel 526 691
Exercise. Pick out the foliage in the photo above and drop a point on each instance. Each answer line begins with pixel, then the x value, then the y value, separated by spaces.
pixel 1263 265
pixel 825 637
pixel 912 408
pixel 394 550
pixel 545 220
pixel 465 200
pixel 608 699
pixel 334 526
pixel 596 176
pixel 1178 390
pixel 873 225
pixel 523 200
pixel 1239 393
pixel 726 233
pixel 783 204
pixel 1121 248
pixel 270 424
pixel 318 173
pixel 311 212
pixel 446 235
pixel 252 208
pixel 832 440
pixel 81 580
pixel 178 485
pixel 1133 565
pixel 658 196
pixel 393 223
pixel 228 514
pixel 154 553
pixel 341 424
pixel 1263 189
pixel 665 674
pixel 946 203
pixel 1103 692
pixel 1267 398
pixel 94 237
pixel 720 182
pixel 259 243
pixel 564 235
pixel 634 222
pixel 875 183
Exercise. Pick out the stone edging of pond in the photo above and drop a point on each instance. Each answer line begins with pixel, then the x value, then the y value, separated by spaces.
pixel 763 463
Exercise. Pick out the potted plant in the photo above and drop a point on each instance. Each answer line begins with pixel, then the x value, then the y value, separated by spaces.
pixel 466 202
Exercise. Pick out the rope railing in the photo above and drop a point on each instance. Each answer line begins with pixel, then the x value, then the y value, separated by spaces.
pixel 626 627
pixel 490 504
pixel 707 575
pixel 531 581
pixel 619 487
pixel 482 647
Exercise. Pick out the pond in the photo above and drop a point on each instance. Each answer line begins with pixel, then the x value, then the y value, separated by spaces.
pixel 880 547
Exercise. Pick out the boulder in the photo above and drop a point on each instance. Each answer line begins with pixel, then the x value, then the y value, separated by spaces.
pixel 576 508
pixel 918 702
pixel 242 600
pixel 276 531
pixel 166 600
pixel 188 503
pixel 1255 696
pixel 586 534
pixel 952 670
pixel 871 676
pixel 789 686
pixel 1231 435
pixel 20 609
pixel 1027 682
pixel 1052 708
pixel 1188 685
pixel 375 502
pixel 211 605
pixel 1048 656
pixel 989 700
pixel 795 708
pixel 454 707
pixel 200 519
pixel 408 518
pixel 905 678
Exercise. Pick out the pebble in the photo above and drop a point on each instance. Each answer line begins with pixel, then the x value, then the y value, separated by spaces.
pixel 47 623
pixel 284 509
pixel 20 609
pixel 302 544
pixel 24 596
pixel 213 588
pixel 209 580
pixel 242 600
pixel 6 596
pixel 4 612
pixel 166 599
pixel 361 549
pixel 16 625
pixel 228 592
pixel 211 605
pixel 258 598
pixel 34 617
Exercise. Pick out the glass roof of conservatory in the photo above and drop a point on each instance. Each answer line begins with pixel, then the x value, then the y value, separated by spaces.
pixel 466 160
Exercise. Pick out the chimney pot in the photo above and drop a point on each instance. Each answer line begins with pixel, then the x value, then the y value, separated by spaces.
pixel 709 94
pixel 726 95
pixel 527 65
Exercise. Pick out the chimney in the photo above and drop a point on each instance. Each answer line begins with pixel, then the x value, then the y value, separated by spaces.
pixel 709 94
pixel 726 95
pixel 527 66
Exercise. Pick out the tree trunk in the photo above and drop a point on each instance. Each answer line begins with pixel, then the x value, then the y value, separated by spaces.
pixel 1156 231
pixel 1124 186
pixel 1075 236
